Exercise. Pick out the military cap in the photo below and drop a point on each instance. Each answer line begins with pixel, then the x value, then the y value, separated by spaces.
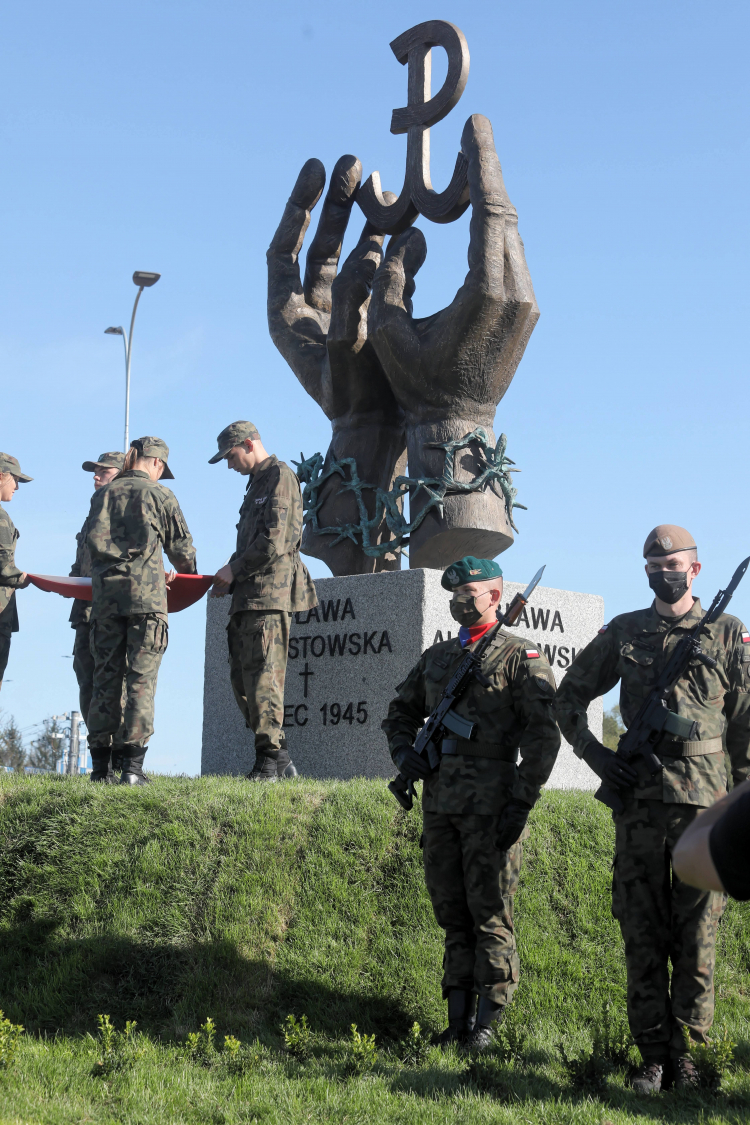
pixel 10 464
pixel 154 447
pixel 106 461
pixel 470 569
pixel 231 436
pixel 666 539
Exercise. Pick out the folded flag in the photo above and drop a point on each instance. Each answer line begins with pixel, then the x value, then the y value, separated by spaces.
pixel 183 591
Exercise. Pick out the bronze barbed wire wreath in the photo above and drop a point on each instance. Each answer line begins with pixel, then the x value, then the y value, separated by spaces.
pixel 495 474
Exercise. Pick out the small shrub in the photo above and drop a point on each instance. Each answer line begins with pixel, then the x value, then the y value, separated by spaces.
pixel 297 1037
pixel 238 1058
pixel 510 1041
pixel 361 1053
pixel 119 1049
pixel 712 1059
pixel 10 1033
pixel 414 1048
pixel 587 1071
pixel 612 1038
pixel 201 1045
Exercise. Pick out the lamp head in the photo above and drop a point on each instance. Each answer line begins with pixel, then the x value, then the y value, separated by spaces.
pixel 113 332
pixel 145 280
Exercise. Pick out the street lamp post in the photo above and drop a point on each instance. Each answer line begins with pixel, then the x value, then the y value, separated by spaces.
pixel 144 281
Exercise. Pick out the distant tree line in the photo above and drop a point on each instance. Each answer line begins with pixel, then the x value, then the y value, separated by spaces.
pixel 43 752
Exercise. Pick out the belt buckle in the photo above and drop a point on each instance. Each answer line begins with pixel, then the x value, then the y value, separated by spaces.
pixel 449 746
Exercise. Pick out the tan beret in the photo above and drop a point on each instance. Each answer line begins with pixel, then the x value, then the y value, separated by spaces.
pixel 666 539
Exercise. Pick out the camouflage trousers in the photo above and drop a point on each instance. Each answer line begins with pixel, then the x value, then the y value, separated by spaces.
pixel 471 885
pixel 258 650
pixel 83 666
pixel 129 649
pixel 4 654
pixel 663 919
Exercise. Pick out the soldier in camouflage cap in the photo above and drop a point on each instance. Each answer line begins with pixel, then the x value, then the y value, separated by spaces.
pixel 661 918
pixel 476 804
pixel 132 520
pixel 104 470
pixel 11 578
pixel 268 582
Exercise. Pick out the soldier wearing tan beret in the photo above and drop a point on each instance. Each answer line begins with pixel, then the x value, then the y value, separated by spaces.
pixel 662 919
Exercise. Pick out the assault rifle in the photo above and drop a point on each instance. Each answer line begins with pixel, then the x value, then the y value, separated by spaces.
pixel 444 718
pixel 654 717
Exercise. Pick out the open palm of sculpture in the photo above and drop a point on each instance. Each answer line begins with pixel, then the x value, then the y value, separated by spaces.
pixel 391 383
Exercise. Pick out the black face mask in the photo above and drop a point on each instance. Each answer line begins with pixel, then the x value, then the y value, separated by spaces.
pixel 464 610
pixel 669 585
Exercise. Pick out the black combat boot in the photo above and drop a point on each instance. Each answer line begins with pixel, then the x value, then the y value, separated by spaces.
pixel 265 768
pixel 488 1015
pixel 461 1008
pixel 118 757
pixel 684 1074
pixel 648 1077
pixel 285 767
pixel 101 765
pixel 132 766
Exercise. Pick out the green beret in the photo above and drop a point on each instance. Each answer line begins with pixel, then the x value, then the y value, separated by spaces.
pixel 470 569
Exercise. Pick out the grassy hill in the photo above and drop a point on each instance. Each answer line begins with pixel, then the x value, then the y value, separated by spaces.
pixel 213 898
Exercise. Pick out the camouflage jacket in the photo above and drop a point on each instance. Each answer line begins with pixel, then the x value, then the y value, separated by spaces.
pixel 131 522
pixel 516 712
pixel 633 649
pixel 269 574
pixel 80 614
pixel 10 575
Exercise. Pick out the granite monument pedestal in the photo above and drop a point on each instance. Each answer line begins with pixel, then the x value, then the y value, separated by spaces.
pixel 347 656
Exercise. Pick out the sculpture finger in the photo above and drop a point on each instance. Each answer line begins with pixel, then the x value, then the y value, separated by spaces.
pixel 283 253
pixel 389 319
pixel 497 262
pixel 351 288
pixel 325 248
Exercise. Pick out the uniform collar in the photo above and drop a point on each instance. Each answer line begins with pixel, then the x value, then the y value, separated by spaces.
pixel 264 466
pixel 135 473
pixel 655 623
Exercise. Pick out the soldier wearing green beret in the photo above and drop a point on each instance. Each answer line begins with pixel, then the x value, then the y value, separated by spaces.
pixel 661 918
pixel 132 520
pixel 104 470
pixel 268 582
pixel 476 804
pixel 11 578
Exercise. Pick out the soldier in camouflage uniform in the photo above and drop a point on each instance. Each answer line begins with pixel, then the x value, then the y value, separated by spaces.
pixel 661 918
pixel 131 522
pixel 104 470
pixel 268 582
pixel 476 804
pixel 11 578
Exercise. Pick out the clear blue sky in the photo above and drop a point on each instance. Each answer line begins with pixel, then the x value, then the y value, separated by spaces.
pixel 165 135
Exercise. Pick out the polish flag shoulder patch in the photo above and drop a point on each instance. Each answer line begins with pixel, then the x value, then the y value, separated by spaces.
pixel 532 654
pixel 604 628
pixel 745 637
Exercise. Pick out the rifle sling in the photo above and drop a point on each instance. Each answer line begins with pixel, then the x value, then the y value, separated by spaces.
pixel 451 746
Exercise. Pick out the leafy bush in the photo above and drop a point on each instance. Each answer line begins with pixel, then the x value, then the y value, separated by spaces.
pixel 612 1038
pixel 10 1033
pixel 297 1037
pixel 201 1045
pixel 712 1059
pixel 586 1071
pixel 120 1050
pixel 361 1053
pixel 414 1048
pixel 510 1040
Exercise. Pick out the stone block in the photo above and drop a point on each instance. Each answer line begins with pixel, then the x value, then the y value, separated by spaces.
pixel 346 657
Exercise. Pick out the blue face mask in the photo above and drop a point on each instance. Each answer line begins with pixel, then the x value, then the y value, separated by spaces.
pixel 669 585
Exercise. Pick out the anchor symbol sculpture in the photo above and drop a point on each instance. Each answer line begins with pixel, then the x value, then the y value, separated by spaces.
pixel 418 196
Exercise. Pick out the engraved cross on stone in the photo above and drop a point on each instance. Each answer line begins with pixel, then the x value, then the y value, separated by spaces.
pixel 307 673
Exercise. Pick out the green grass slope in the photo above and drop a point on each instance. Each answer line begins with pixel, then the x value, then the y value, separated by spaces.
pixel 211 897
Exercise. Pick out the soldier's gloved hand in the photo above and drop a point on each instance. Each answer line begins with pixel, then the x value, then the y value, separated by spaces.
pixel 410 764
pixel 512 823
pixel 608 766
